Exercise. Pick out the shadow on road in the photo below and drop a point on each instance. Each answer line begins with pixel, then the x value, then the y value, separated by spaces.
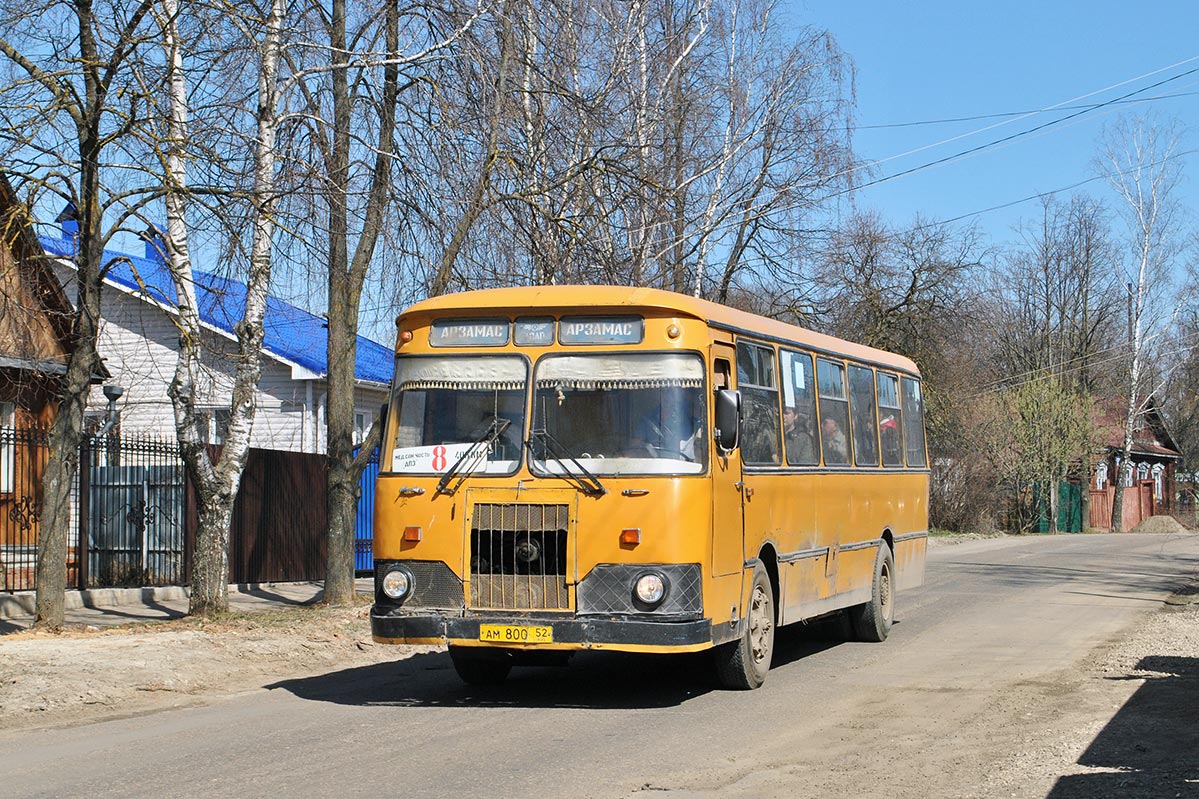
pixel 1122 579
pixel 593 680
pixel 1149 746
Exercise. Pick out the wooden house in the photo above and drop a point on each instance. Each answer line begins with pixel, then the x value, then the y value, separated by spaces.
pixel 1149 489
pixel 35 327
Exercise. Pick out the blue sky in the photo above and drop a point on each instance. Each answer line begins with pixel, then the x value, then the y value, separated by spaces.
pixel 927 61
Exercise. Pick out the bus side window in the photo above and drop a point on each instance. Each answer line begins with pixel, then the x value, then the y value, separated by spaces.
pixel 913 421
pixel 760 404
pixel 834 412
pixel 861 408
pixel 890 419
pixel 799 408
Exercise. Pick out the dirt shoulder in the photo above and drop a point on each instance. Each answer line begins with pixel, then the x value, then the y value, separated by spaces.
pixel 86 674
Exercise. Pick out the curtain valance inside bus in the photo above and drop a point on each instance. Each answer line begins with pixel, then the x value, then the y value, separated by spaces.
pixel 466 374
pixel 610 372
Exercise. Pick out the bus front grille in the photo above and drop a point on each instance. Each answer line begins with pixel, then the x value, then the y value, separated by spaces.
pixel 518 556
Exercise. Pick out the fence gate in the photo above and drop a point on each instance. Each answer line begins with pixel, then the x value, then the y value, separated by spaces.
pixel 364 533
pixel 135 519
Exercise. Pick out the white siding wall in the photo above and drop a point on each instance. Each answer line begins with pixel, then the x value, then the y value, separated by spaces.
pixel 139 345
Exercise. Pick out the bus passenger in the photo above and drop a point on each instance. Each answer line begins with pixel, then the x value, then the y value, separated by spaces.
pixel 760 427
pixel 835 448
pixel 798 437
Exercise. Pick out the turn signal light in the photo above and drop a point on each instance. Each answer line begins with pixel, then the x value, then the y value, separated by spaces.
pixel 630 537
pixel 412 533
pixel 406 336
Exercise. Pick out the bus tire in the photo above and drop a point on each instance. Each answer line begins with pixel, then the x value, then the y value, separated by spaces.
pixel 480 668
pixel 872 621
pixel 742 664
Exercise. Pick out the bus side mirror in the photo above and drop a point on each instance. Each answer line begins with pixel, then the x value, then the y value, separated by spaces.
pixel 728 418
pixel 383 420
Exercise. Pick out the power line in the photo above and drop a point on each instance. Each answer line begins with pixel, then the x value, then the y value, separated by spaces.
pixel 1009 138
pixel 1006 114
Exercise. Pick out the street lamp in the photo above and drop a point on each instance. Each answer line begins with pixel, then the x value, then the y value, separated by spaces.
pixel 112 394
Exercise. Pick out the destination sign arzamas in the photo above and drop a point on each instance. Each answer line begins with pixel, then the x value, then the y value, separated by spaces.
pixel 484 332
pixel 615 330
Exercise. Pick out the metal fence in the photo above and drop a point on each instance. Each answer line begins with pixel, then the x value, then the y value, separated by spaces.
pixel 132 493
pixel 134 514
pixel 364 531
pixel 23 454
pixel 127 502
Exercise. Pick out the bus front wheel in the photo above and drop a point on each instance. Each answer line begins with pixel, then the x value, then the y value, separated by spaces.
pixel 872 621
pixel 480 667
pixel 742 664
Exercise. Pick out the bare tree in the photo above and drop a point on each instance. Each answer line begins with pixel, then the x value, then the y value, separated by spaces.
pixel 1139 159
pixel 906 291
pixel 1181 400
pixel 672 144
pixel 217 478
pixel 351 104
pixel 914 291
pixel 1055 299
pixel 63 117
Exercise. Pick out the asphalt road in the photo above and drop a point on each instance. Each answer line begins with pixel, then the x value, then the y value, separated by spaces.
pixel 930 712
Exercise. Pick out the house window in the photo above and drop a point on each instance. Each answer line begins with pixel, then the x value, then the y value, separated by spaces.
pixel 1101 476
pixel 8 413
pixel 214 424
pixel 362 426
pixel 1159 482
pixel 1142 471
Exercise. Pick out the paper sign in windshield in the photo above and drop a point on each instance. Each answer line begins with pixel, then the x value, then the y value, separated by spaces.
pixel 435 459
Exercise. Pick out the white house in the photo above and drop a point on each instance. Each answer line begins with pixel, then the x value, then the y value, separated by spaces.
pixel 139 342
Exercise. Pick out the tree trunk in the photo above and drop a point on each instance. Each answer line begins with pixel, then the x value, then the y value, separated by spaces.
pixel 341 484
pixel 346 279
pixel 210 575
pixel 1053 506
pixel 65 437
pixel 66 432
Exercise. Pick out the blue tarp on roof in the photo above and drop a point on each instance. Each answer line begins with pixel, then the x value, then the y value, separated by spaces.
pixel 290 333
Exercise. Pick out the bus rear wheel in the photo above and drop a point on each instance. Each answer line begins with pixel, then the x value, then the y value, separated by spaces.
pixel 477 667
pixel 742 664
pixel 872 621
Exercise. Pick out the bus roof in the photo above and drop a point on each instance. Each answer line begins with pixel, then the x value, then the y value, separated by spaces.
pixel 587 299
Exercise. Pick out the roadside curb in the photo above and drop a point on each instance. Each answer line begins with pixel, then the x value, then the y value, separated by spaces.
pixel 22 604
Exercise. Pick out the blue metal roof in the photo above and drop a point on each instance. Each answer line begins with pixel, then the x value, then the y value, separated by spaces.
pixel 290 333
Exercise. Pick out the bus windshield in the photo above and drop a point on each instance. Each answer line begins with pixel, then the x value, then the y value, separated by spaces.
pixel 613 414
pixel 446 406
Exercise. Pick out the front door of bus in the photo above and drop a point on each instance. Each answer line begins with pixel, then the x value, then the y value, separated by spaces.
pixel 728 547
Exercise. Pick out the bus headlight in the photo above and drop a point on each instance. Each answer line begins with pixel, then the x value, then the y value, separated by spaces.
pixel 650 589
pixel 397 583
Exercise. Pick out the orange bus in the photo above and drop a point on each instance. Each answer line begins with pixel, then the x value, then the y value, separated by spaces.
pixel 599 467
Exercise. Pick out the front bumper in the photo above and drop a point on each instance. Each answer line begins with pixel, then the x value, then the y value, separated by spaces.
pixel 624 634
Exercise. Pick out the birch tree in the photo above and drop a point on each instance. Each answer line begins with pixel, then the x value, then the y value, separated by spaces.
pixel 1139 159
pixel 679 145
pixel 216 480
pixel 66 109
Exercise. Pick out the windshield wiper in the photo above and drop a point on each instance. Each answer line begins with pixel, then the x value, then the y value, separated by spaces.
pixel 584 480
pixel 493 431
